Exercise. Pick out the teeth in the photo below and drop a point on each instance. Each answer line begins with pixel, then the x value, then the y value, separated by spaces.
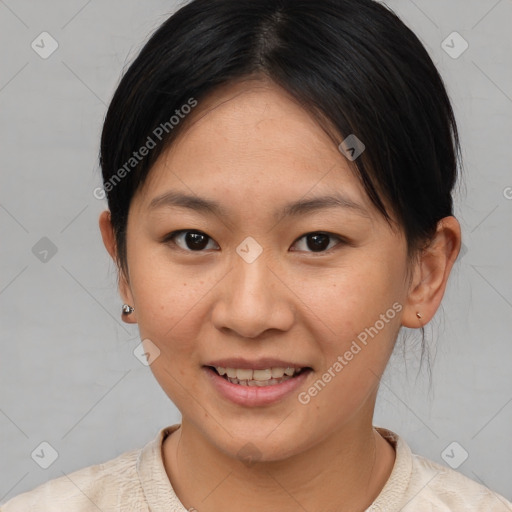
pixel 261 374
pixel 248 377
pixel 277 373
pixel 243 374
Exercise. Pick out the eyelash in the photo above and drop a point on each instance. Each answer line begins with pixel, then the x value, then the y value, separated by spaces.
pixel 169 239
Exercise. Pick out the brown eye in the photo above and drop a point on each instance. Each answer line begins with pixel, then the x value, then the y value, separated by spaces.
pixel 317 242
pixel 194 241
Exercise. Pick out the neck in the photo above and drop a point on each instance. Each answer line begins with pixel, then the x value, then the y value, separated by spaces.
pixel 344 472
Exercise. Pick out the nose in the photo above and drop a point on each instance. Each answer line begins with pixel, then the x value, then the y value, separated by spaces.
pixel 253 299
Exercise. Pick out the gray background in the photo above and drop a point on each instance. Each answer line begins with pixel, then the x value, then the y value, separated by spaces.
pixel 67 372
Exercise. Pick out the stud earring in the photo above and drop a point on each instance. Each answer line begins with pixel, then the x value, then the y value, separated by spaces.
pixel 418 315
pixel 127 310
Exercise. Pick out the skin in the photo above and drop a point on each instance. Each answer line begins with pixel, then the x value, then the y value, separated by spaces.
pixel 251 148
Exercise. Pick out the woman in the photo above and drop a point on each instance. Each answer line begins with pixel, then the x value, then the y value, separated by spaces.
pixel 279 179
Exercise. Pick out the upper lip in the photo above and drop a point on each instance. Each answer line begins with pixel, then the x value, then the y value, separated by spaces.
pixel 256 364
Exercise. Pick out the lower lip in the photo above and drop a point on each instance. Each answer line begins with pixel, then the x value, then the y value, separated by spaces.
pixel 253 396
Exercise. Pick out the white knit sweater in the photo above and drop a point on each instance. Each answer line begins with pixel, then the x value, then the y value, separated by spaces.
pixel 137 481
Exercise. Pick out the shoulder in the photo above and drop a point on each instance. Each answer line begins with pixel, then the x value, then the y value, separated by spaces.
pixel 112 485
pixel 447 489
pixel 418 484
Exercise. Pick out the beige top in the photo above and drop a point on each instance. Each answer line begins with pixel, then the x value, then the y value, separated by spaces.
pixel 137 481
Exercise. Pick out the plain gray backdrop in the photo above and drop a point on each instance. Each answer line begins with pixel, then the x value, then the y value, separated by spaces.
pixel 68 375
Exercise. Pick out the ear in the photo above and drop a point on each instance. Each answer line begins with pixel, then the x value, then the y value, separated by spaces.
pixel 107 234
pixel 430 274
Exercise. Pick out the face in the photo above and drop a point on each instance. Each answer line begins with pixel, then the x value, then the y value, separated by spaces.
pixel 268 275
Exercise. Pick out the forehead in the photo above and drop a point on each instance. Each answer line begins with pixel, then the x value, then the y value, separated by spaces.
pixel 252 143
pixel 253 117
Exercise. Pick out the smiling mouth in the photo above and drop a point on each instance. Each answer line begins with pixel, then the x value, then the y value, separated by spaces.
pixel 260 378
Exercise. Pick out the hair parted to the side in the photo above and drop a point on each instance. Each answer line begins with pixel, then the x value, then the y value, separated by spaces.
pixel 352 63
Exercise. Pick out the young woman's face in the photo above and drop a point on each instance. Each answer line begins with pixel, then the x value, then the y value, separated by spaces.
pixel 275 275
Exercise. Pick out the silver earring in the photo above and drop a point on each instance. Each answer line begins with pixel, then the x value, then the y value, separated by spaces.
pixel 127 310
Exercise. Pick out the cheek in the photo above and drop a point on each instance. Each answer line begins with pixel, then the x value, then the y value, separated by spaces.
pixel 172 300
pixel 358 314
pixel 350 299
pixel 171 314
pixel 167 303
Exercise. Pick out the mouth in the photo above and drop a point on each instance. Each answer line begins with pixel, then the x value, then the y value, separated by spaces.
pixel 270 376
pixel 256 383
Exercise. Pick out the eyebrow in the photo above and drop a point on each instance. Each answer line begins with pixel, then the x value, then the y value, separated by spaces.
pixel 294 209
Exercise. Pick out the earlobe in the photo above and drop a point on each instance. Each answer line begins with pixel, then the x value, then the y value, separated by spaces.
pixel 128 315
pixel 107 234
pixel 126 311
pixel 431 273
